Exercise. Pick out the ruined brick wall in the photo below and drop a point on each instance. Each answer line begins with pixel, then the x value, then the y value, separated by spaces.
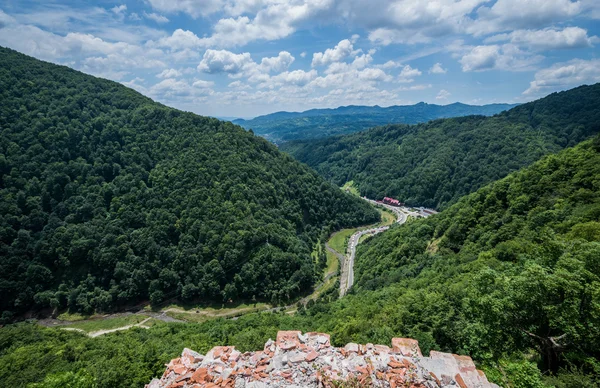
pixel 309 360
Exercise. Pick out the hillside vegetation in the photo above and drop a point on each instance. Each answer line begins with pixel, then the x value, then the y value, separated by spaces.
pixel 108 198
pixel 509 275
pixel 318 123
pixel 436 163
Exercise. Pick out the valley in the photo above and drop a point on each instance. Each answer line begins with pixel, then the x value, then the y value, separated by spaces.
pixel 470 244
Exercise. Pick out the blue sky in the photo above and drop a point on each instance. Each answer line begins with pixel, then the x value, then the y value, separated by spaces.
pixel 244 58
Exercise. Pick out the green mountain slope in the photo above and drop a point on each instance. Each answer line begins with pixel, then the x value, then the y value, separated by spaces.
pixel 436 163
pixel 513 266
pixel 280 127
pixel 510 275
pixel 108 198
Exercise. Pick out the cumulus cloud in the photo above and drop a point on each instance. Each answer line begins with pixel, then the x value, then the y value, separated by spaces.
pixel 495 57
pixel 437 69
pixel 408 73
pixel 275 20
pixel 413 88
pixel 277 64
pixel 372 74
pixel 411 21
pixel 173 88
pixel 547 39
pixel 119 9
pixel 156 17
pixel 169 73
pixel 443 95
pixel 179 39
pixel 223 61
pixel 86 52
pixel 194 8
pixel 6 20
pixel 522 14
pixel 296 77
pixel 341 51
pixel 565 75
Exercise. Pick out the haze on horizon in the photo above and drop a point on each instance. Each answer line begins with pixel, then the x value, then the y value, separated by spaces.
pixel 244 58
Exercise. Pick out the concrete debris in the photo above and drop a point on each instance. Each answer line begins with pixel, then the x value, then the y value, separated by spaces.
pixel 308 360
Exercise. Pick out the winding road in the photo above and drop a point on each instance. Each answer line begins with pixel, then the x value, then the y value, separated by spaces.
pixel 347 273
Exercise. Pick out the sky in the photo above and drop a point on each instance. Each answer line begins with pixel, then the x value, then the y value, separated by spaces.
pixel 244 58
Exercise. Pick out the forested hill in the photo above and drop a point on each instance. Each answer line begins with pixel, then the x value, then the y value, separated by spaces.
pixel 108 198
pixel 510 275
pixel 280 127
pixel 436 163
pixel 512 267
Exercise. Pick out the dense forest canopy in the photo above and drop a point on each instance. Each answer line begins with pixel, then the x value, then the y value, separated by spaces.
pixel 511 267
pixel 108 198
pixel 436 163
pixel 280 127
pixel 509 275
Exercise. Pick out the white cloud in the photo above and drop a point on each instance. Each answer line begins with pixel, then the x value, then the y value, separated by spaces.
pixel 489 57
pixel 239 85
pixel 303 54
pixel 277 64
pixel 86 52
pixel 202 84
pixel 407 74
pixel 119 9
pixel 179 39
pixel 410 21
pixel 443 95
pixel 547 39
pixel 372 74
pixel 437 69
pixel 6 20
pixel 156 17
pixel 194 8
pixel 522 14
pixel 180 90
pixel 565 75
pixel 223 61
pixel 341 51
pixel 276 20
pixel 296 77
pixel 169 73
pixel 413 88
pixel 390 65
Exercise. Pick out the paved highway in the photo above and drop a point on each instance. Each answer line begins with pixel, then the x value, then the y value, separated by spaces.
pixel 347 275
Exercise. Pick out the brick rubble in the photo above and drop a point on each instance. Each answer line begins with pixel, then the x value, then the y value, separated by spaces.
pixel 308 360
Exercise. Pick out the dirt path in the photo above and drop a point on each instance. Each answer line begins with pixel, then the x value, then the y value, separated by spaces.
pixel 336 253
pixel 98 333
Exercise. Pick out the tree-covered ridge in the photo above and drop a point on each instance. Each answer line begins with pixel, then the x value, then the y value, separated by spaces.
pixel 496 276
pixel 511 267
pixel 280 127
pixel 436 163
pixel 108 198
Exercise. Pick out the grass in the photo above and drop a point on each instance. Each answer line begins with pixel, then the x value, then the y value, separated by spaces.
pixel 351 188
pixel 332 264
pixel 107 324
pixel 202 314
pixel 387 217
pixel 340 239
pixel 66 316
pixel 323 288
pixel 316 250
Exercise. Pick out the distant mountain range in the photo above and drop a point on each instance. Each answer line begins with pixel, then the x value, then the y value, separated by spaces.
pixel 280 127
pixel 434 164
